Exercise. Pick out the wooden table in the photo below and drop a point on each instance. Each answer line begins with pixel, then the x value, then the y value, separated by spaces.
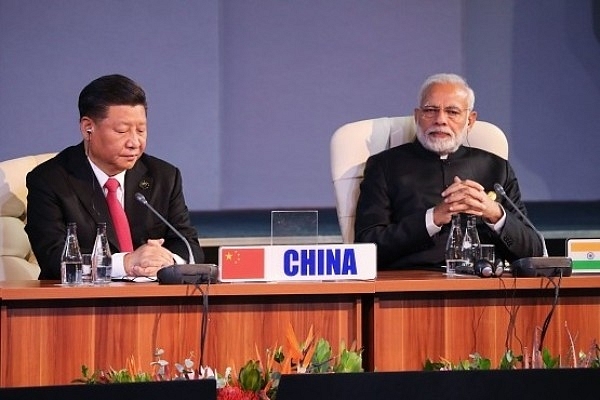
pixel 420 314
pixel 47 331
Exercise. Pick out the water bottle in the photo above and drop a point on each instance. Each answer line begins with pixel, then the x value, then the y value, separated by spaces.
pixel 471 243
pixel 454 247
pixel 70 261
pixel 101 256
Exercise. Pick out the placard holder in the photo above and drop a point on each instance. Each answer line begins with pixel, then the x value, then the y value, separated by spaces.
pixel 295 227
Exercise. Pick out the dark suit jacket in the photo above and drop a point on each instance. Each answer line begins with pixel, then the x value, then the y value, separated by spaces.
pixel 401 183
pixel 64 189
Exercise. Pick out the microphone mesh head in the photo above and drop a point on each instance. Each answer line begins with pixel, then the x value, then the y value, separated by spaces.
pixel 499 189
pixel 140 197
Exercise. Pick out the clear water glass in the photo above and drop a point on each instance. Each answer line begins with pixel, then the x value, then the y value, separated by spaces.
pixel 452 264
pixel 102 269
pixel 86 268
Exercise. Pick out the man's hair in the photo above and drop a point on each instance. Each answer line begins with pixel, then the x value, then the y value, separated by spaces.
pixel 106 91
pixel 447 78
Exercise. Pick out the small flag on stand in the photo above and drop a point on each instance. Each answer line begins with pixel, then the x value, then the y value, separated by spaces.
pixel 585 254
pixel 242 263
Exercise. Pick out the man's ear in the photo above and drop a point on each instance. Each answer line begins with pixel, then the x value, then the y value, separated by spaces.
pixel 472 118
pixel 86 126
pixel 416 115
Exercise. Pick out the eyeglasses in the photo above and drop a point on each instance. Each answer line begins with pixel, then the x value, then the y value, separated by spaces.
pixel 453 113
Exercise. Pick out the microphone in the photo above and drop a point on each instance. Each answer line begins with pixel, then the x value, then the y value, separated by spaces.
pixel 181 273
pixel 500 190
pixel 536 266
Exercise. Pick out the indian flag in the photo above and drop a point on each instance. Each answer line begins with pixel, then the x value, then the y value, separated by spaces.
pixel 585 254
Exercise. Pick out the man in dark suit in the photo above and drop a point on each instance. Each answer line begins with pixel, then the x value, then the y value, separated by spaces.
pixel 410 192
pixel 70 188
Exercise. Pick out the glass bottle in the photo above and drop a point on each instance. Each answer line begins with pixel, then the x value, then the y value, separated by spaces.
pixel 101 256
pixel 471 243
pixel 70 261
pixel 454 247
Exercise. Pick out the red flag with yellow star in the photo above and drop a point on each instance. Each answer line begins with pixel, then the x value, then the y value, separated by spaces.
pixel 242 263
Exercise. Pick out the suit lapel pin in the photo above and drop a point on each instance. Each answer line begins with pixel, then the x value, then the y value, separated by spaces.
pixel 144 184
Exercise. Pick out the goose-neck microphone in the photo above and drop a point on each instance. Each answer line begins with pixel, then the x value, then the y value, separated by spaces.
pixel 142 199
pixel 181 273
pixel 500 190
pixel 536 266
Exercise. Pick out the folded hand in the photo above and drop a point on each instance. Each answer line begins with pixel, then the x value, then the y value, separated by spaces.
pixel 147 259
pixel 468 197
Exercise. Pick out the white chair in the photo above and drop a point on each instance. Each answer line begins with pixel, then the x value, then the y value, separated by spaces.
pixel 354 142
pixel 17 261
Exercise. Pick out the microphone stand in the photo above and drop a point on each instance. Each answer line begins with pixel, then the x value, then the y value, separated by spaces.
pixel 181 273
pixel 500 190
pixel 536 266
pixel 191 273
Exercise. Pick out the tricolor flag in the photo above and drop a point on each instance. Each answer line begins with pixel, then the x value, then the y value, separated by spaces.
pixel 242 263
pixel 585 254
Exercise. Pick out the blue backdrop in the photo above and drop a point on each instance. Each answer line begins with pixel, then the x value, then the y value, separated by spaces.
pixel 245 94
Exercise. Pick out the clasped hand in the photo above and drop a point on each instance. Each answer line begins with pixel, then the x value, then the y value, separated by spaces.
pixel 147 259
pixel 468 197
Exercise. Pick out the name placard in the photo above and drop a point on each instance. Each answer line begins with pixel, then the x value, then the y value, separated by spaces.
pixel 298 262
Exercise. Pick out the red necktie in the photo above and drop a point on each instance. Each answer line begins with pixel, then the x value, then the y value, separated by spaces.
pixel 118 216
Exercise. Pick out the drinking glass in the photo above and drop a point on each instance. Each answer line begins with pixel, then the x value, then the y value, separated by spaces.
pixel 488 253
pixel 86 264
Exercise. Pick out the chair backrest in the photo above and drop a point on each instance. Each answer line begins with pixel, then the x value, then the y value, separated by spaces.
pixel 354 142
pixel 16 258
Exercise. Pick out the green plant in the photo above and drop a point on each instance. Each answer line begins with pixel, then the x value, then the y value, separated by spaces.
pixel 251 377
pixel 125 375
pixel 509 360
pixel 537 359
pixel 475 362
pixel 255 380
pixel 321 357
pixel 349 360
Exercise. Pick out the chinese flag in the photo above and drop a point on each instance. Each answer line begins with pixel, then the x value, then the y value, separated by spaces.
pixel 243 263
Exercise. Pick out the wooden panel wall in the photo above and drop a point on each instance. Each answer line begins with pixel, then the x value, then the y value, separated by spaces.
pixel 402 318
pixel 45 342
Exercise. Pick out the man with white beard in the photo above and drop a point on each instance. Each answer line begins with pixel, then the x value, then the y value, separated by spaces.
pixel 410 192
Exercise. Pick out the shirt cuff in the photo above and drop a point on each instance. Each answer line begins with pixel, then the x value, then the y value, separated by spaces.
pixel 432 228
pixel 177 259
pixel 118 268
pixel 497 227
